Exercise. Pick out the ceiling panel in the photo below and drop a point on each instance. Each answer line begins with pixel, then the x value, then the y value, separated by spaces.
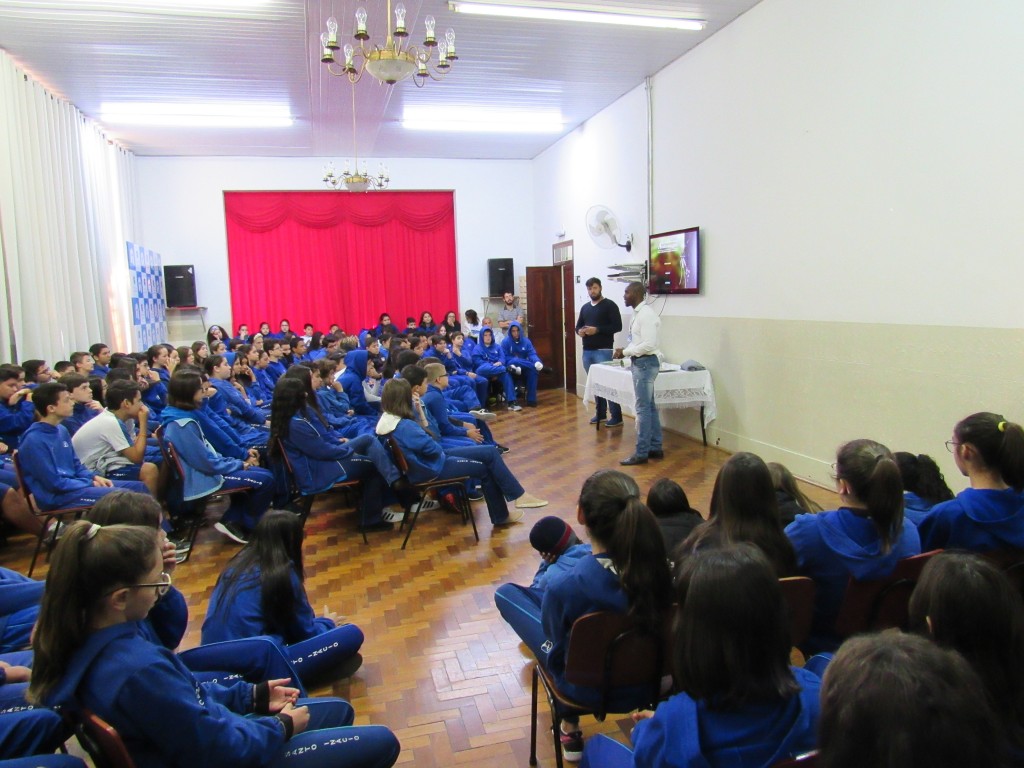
pixel 229 50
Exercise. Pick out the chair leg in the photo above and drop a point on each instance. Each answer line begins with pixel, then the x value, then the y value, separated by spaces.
pixel 467 509
pixel 193 529
pixel 39 544
pixel 533 721
pixel 416 514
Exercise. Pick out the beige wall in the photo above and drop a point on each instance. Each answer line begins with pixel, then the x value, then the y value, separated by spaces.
pixel 792 390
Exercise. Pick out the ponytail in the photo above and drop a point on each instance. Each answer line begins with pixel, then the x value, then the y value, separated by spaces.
pixel 628 531
pixel 999 442
pixel 874 477
pixel 89 561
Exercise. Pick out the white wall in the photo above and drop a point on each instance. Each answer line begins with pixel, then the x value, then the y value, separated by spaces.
pixel 182 212
pixel 856 171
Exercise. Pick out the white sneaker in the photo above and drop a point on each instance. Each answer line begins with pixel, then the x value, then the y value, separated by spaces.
pixel 425 506
pixel 514 516
pixel 393 516
pixel 516 370
pixel 483 414
pixel 526 501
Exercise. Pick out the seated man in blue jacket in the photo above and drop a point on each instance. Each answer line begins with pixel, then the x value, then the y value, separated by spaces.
pixel 52 470
pixel 522 361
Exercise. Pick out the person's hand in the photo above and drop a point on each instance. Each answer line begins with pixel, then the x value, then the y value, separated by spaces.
pixel 539 365
pixel 4 447
pixel 617 354
pixel 254 455
pixel 474 434
pixel 281 696
pixel 16 674
pixel 471 374
pixel 300 717
pixel 581 331
pixel 13 399
pixel 154 376
pixel 642 714
pixel 143 414
pixel 94 405
pixel 548 557
pixel 102 482
pixel 167 552
pixel 350 412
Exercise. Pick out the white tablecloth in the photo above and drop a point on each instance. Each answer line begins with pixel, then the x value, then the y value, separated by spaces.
pixel 672 389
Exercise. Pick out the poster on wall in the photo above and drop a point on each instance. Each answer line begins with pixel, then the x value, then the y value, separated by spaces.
pixel 146 280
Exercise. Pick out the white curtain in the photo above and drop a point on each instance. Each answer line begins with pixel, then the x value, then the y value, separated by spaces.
pixel 67 206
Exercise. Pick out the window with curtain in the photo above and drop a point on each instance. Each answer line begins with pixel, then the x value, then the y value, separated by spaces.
pixel 340 257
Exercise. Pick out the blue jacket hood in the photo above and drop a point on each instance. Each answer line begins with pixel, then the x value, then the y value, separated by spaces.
pixel 487 337
pixel 64 692
pixel 174 413
pixel 356 360
pixel 854 539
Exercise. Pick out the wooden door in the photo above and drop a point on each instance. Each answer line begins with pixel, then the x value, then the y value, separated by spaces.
pixel 569 337
pixel 544 321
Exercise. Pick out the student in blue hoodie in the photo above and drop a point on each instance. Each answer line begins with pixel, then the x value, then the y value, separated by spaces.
pixel 262 592
pixel 626 572
pixel 863 539
pixel 923 485
pixel 489 361
pixel 739 702
pixel 89 654
pixel 276 367
pixel 158 359
pixel 207 471
pixel 989 451
pixel 352 383
pixel 84 405
pixel 320 458
pixel 16 411
pixel 19 608
pixel 52 469
pixel 231 405
pixel 522 360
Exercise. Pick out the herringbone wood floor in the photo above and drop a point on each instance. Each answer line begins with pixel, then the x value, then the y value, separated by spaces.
pixel 440 667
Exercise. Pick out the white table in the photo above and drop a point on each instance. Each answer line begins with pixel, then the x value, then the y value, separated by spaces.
pixel 672 389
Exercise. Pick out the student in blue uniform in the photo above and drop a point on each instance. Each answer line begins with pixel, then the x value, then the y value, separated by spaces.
pixel 522 360
pixel 895 700
pixel 207 471
pixel 863 539
pixel 262 592
pixel 744 508
pixel 89 653
pixel 739 702
pixel 254 659
pixel 428 461
pixel 427 325
pixel 352 383
pixel 627 572
pixel 965 603
pixel 489 361
pixel 792 501
pixel 923 485
pixel 320 458
pixel 248 422
pixel 16 411
pixel 52 470
pixel 19 608
pixel 989 451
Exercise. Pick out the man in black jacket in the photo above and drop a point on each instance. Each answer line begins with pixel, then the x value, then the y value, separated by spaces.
pixel 599 321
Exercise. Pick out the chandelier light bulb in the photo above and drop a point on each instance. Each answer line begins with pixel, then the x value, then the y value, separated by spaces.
pixel 349 54
pixel 449 37
pixel 332 32
pixel 429 23
pixel 361 24
pixel 400 20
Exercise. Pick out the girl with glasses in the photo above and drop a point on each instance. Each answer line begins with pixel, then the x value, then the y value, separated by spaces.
pixel 989 452
pixel 89 653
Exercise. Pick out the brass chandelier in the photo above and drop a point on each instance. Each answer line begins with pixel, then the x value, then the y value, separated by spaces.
pixel 394 60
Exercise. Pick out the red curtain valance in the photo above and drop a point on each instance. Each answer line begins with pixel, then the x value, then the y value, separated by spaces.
pixel 340 257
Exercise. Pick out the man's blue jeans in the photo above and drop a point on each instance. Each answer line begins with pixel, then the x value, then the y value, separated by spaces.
pixel 591 356
pixel 648 425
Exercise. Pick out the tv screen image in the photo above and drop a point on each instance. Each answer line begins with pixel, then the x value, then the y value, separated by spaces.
pixel 674 266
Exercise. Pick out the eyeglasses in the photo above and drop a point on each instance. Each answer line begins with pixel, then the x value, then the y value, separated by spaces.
pixel 162 587
pixel 951 445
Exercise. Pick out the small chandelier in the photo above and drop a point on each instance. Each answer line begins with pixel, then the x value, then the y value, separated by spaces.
pixel 358 180
pixel 393 61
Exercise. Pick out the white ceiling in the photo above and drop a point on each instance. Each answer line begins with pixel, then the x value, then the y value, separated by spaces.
pixel 183 50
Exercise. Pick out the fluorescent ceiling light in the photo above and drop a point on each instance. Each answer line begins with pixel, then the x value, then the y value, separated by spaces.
pixel 590 13
pixel 201 115
pixel 480 120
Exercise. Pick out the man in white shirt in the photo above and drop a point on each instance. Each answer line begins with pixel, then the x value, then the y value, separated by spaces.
pixel 106 445
pixel 645 363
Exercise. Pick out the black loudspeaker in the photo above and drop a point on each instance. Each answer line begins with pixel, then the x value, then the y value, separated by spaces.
pixel 180 285
pixel 500 279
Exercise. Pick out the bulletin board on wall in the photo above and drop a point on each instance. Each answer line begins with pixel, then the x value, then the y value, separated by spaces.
pixel 146 291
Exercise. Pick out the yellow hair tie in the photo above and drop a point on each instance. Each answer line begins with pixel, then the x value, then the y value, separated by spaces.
pixel 1001 426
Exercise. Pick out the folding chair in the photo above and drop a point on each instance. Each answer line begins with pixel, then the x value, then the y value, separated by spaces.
pixel 870 606
pixel 798 593
pixel 60 515
pixel 305 501
pixel 454 485
pixel 99 739
pixel 607 651
pixel 194 520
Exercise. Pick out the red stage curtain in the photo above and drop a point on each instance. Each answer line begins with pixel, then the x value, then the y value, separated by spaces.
pixel 340 257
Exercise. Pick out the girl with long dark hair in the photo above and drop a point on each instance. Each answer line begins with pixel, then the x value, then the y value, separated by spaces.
pixel 89 654
pixel 923 485
pixel 627 572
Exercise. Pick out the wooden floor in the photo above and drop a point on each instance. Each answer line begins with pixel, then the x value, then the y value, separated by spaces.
pixel 441 668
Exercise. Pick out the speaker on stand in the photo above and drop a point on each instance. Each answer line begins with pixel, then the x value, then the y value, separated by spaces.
pixel 180 285
pixel 500 277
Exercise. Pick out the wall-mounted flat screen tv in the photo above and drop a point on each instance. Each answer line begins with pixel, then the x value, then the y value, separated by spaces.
pixel 675 262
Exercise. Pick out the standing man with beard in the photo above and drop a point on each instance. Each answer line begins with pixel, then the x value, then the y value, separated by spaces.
pixel 598 323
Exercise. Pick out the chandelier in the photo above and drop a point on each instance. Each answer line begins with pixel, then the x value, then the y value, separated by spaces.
pixel 394 60
pixel 358 180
